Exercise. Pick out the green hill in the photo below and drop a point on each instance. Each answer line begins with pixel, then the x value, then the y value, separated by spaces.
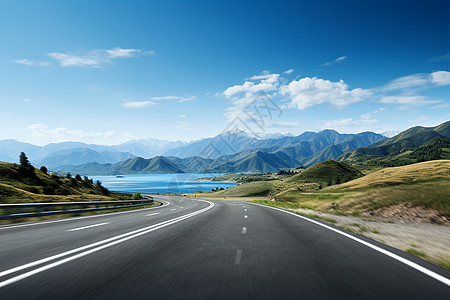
pixel 27 184
pixel 328 171
pixel 161 165
pixel 407 140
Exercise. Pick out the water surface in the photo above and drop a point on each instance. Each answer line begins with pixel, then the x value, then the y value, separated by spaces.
pixel 161 183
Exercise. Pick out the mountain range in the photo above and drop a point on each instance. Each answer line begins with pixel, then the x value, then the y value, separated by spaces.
pixel 236 151
pixel 231 151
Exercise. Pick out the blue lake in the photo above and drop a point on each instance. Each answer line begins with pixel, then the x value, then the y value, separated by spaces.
pixel 161 183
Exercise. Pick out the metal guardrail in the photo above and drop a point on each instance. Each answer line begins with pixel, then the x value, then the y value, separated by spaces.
pixel 41 209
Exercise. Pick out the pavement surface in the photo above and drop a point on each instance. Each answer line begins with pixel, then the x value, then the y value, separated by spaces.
pixel 206 249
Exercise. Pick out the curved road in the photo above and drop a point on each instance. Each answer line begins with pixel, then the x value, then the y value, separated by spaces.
pixel 206 249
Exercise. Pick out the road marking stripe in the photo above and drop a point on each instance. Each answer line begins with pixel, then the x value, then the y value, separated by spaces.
pixel 246 216
pixel 152 214
pixel 138 231
pixel 87 217
pixel 245 209
pixel 173 209
pixel 237 259
pixel 89 226
pixel 244 230
pixel 405 261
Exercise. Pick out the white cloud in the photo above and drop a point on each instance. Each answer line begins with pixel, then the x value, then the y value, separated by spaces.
pixel 350 124
pixel 284 124
pixel 422 80
pixel 407 82
pixel 337 60
pixel 69 60
pixel 138 104
pixel 408 100
pixel 182 116
pixel 288 71
pixel 64 134
pixel 242 95
pixel 307 92
pixel 28 62
pixel 440 58
pixel 120 52
pixel 96 58
pixel 440 77
pixel 180 99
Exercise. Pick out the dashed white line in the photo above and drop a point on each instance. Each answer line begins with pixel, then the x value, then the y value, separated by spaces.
pixel 246 216
pixel 245 209
pixel 173 209
pixel 152 214
pixel 89 226
pixel 244 230
pixel 237 259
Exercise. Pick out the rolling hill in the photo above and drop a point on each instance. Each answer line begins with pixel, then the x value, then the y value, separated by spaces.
pixel 328 171
pixel 407 140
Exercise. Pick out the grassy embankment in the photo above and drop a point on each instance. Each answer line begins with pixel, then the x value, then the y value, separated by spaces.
pixel 423 184
pixel 20 184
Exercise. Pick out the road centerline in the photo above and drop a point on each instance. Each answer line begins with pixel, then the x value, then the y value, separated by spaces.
pixel 88 226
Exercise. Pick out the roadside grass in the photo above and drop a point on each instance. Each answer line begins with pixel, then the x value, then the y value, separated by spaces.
pixel 254 188
pixel 444 263
pixel 416 252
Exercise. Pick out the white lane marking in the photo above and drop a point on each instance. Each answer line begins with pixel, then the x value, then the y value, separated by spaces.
pixel 244 230
pixel 237 259
pixel 152 214
pixel 245 209
pixel 413 265
pixel 89 226
pixel 106 243
pixel 173 209
pixel 246 216
pixel 181 206
pixel 87 217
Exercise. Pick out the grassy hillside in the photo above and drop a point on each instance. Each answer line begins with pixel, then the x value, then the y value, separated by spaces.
pixel 409 139
pixel 27 184
pixel 328 171
pixel 422 185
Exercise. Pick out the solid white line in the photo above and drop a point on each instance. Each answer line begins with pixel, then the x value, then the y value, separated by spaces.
pixel 87 217
pixel 237 259
pixel 115 240
pixel 152 214
pixel 413 265
pixel 244 230
pixel 89 226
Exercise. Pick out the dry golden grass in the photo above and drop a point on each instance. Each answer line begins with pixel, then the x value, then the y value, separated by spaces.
pixel 435 170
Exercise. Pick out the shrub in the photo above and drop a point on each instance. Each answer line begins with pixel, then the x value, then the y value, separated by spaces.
pixel 44 169
pixel 62 191
pixel 78 177
pixel 137 196
pixel 48 190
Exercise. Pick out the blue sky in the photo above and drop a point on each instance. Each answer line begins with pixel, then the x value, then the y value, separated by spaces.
pixel 108 71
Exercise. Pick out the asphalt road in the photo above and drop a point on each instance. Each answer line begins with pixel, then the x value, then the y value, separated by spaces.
pixel 206 249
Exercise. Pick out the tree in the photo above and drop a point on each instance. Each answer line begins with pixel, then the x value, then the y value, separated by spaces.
pixel 338 180
pixel 24 159
pixel 78 177
pixel 44 169
pixel 68 175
